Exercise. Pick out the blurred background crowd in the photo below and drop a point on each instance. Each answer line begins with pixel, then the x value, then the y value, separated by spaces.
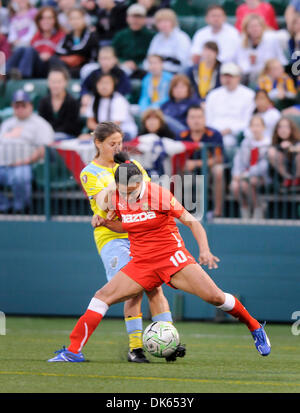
pixel 198 87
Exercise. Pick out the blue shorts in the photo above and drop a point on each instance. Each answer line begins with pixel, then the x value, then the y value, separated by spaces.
pixel 115 255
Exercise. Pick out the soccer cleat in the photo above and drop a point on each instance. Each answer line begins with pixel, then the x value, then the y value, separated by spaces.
pixel 179 352
pixel 137 356
pixel 261 340
pixel 67 356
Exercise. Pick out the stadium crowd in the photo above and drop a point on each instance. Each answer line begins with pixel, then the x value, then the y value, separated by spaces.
pixel 232 85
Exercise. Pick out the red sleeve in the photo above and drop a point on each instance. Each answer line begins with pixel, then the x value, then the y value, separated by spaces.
pixel 168 203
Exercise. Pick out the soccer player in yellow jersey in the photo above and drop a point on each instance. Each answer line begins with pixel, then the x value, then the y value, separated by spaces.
pixel 97 179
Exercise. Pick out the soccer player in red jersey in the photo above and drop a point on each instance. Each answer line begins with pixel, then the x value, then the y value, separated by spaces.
pixel 147 211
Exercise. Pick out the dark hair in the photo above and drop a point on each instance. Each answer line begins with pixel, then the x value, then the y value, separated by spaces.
pixel 98 98
pixel 212 46
pixel 39 16
pixel 213 7
pixel 194 107
pixel 104 130
pixel 180 77
pixel 294 136
pixel 127 170
pixel 61 69
pixel 265 93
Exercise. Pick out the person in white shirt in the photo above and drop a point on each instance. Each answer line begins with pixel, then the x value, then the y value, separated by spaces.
pixel 230 106
pixel 171 43
pixel 217 30
pixel 256 47
pixel 109 105
pixel 22 140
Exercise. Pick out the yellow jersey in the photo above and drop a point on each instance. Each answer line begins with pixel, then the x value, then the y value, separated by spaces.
pixel 94 178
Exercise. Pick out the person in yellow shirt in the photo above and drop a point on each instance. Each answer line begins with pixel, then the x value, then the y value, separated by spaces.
pixel 98 181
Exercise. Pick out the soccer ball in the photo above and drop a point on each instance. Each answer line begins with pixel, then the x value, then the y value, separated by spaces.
pixel 160 339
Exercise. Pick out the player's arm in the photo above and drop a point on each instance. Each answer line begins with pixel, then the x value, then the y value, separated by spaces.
pixel 205 256
pixel 113 225
pixel 104 197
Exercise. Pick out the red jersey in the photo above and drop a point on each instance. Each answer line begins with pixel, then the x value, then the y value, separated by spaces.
pixel 150 222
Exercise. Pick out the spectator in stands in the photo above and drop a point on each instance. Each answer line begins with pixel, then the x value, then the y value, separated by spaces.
pixel 155 85
pixel 290 12
pixel 219 31
pixel 22 140
pixel 250 169
pixel 4 19
pixel 78 47
pixel 264 107
pixel 199 132
pixel 111 18
pixel 171 43
pixel 151 7
pixel 256 46
pixel 5 48
pixel 109 105
pixel 64 7
pixel 276 82
pixel 262 8
pixel 107 63
pixel 59 108
pixel 181 97
pixel 229 107
pixel 205 75
pixel 153 121
pixel 294 41
pixel 91 8
pixel 22 26
pixel 131 44
pixel 33 61
pixel 284 154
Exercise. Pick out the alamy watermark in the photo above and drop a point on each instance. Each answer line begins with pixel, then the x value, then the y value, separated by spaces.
pixel 2 324
pixel 296 325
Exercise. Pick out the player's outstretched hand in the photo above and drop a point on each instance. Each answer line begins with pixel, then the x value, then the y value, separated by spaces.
pixel 111 215
pixel 207 258
pixel 97 221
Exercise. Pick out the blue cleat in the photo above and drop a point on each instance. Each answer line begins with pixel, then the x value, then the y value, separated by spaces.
pixel 66 355
pixel 261 340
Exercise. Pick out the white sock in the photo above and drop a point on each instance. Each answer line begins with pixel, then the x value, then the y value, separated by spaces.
pixel 229 303
pixel 98 306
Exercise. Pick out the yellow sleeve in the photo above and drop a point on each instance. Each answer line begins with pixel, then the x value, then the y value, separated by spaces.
pixel 89 183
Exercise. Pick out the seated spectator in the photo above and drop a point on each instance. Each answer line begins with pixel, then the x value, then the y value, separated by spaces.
pixel 107 63
pixel 22 140
pixel 171 43
pixel 181 97
pixel 155 85
pixel 205 75
pixel 294 41
pixel 4 19
pixel 151 7
pixel 153 121
pixel 59 108
pixel 131 44
pixel 219 31
pixel 22 26
pixel 197 131
pixel 284 154
pixel 111 18
pixel 250 169
pixel 91 8
pixel 229 107
pixel 5 48
pixel 291 10
pixel 109 105
pixel 64 7
pixel 256 47
pixel 276 82
pixel 262 8
pixel 78 47
pixel 264 107
pixel 33 61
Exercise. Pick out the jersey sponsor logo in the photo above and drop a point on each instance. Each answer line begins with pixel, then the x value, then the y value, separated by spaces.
pixel 142 216
pixel 84 179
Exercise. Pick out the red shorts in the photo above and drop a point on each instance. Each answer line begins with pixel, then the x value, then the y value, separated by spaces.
pixel 153 273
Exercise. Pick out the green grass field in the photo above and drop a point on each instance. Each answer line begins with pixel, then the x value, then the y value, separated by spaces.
pixel 220 358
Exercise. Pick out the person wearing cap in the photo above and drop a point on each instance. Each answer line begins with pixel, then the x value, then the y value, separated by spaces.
pixel 131 44
pixel 230 106
pixel 22 140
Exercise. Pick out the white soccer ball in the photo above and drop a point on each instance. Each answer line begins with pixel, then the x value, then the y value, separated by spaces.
pixel 160 339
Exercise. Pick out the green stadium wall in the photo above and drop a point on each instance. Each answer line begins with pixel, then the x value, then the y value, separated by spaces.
pixel 52 268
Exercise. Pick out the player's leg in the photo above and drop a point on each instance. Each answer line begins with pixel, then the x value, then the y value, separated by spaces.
pixel 194 280
pixel 118 289
pixel 160 311
pixel 115 255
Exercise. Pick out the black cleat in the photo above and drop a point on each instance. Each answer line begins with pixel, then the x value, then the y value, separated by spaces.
pixel 179 352
pixel 137 356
